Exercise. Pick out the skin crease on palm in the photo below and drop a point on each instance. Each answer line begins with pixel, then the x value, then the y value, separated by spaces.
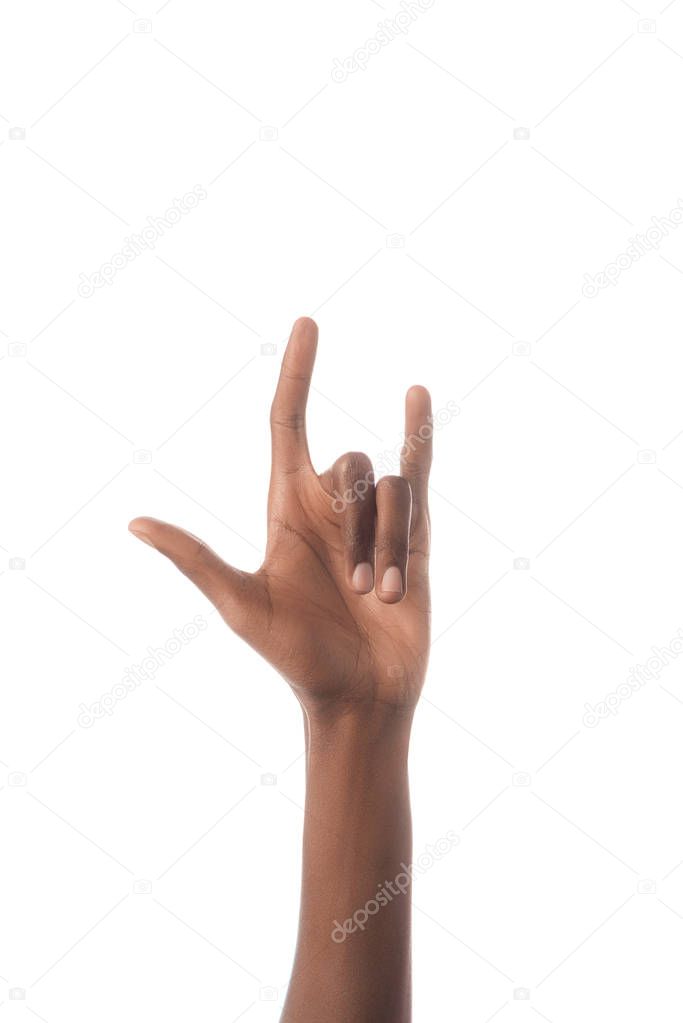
pixel 340 606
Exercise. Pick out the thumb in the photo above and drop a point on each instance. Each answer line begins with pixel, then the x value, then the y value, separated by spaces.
pixel 232 592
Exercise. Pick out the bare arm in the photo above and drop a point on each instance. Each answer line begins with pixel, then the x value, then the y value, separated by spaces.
pixel 353 954
pixel 340 607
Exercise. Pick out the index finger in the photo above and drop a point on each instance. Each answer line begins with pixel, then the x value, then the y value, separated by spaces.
pixel 288 411
pixel 416 454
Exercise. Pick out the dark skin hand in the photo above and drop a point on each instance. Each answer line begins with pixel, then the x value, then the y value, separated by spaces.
pixel 340 608
pixel 330 639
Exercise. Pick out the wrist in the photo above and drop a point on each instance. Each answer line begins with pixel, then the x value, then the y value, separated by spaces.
pixel 354 730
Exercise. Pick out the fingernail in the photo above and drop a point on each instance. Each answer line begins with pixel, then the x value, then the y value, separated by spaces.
pixel 141 536
pixel 362 577
pixel 391 581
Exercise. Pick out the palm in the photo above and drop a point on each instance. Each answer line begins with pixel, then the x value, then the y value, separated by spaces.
pixel 377 649
pixel 300 610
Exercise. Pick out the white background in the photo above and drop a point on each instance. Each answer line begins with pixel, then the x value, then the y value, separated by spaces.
pixel 435 247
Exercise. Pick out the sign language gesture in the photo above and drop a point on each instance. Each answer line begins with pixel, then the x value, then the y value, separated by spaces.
pixel 340 605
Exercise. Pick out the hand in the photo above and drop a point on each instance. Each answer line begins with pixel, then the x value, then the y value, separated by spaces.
pixel 340 606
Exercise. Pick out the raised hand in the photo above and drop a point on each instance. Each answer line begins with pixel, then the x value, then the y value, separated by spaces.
pixel 340 605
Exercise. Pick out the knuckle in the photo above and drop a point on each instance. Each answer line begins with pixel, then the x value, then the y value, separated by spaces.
pixel 287 374
pixel 394 486
pixel 283 420
pixel 201 554
pixel 392 548
pixel 353 464
pixel 417 475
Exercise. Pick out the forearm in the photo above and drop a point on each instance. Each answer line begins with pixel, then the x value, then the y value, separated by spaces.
pixel 352 962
